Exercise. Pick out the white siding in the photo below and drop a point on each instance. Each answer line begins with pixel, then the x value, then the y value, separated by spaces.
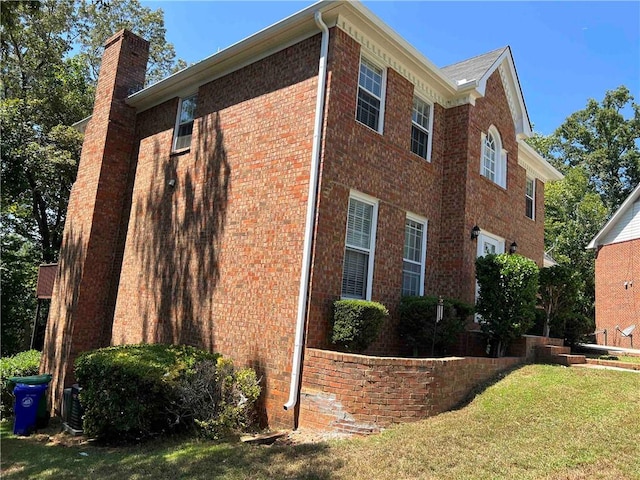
pixel 626 228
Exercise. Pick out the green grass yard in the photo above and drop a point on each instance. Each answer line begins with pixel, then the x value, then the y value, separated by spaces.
pixel 539 422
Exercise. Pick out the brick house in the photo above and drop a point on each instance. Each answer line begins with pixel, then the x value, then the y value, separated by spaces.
pixel 228 205
pixel 617 248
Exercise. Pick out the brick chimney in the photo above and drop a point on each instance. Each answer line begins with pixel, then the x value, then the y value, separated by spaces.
pixel 80 302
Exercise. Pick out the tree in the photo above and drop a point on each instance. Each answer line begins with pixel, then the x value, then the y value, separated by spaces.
pixel 574 214
pixel 49 62
pixel 559 296
pixel 18 280
pixel 598 150
pixel 602 141
pixel 507 298
pixel 97 21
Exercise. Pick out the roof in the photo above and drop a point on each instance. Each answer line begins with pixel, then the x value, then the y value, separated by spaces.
pixel 600 237
pixel 447 85
pixel 472 68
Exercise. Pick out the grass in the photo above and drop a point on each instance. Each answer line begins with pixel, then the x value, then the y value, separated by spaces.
pixel 616 358
pixel 539 422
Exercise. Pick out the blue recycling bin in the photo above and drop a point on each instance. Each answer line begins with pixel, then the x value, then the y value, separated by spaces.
pixel 26 409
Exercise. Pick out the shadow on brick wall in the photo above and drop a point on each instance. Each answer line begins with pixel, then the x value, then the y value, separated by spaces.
pixel 58 356
pixel 178 232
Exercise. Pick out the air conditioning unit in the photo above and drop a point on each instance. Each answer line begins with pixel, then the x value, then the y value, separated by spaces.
pixel 72 410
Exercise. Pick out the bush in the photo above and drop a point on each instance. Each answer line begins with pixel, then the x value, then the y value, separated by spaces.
pixel 218 398
pixel 418 318
pixel 356 323
pixel 130 391
pixel 22 364
pixel 507 299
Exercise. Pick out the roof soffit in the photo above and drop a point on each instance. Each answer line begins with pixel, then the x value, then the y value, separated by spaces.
pixel 536 165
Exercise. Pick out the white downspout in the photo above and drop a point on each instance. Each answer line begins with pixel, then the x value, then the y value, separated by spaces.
pixel 311 215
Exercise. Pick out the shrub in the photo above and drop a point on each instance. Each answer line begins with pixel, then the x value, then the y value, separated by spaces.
pixel 418 318
pixel 21 364
pixel 129 391
pixel 218 398
pixel 507 299
pixel 356 323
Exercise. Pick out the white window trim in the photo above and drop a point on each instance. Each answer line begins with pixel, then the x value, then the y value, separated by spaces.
pixel 383 93
pixel 425 224
pixel 533 199
pixel 430 131
pixel 177 124
pixel 501 158
pixel 372 247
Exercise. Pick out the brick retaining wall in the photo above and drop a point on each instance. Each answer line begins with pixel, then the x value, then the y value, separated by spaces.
pixel 362 394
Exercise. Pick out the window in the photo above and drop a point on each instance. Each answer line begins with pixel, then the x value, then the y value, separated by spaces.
pixel 421 121
pixel 494 159
pixel 370 91
pixel 530 198
pixel 357 271
pixel 415 250
pixel 184 123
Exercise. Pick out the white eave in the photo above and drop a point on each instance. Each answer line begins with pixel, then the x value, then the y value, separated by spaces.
pixel 289 31
pixel 628 203
pixel 535 164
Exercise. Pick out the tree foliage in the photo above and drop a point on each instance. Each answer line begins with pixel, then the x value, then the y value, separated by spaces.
pixel 602 141
pixel 507 298
pixel 598 151
pixel 50 56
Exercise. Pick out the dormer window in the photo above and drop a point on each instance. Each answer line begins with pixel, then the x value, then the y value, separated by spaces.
pixel 370 95
pixel 493 164
pixel 184 123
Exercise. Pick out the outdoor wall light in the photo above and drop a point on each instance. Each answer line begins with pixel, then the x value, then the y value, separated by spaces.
pixel 475 232
pixel 513 248
pixel 172 183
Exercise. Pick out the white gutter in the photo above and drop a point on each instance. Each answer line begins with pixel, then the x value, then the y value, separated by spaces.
pixel 311 215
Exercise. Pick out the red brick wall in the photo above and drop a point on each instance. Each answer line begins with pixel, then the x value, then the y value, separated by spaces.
pixel 214 261
pixel 495 209
pixel 360 394
pixel 617 305
pixel 382 166
pixel 79 317
pixel 449 191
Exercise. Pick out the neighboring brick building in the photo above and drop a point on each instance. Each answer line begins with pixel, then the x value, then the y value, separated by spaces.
pixel 230 204
pixel 617 248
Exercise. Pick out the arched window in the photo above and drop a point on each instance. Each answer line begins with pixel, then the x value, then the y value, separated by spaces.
pixel 493 163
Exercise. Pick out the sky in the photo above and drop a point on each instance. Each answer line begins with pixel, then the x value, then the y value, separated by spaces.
pixel 565 52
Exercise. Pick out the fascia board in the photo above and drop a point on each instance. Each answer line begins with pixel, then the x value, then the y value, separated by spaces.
pixel 269 40
pixel 392 41
pixel 630 200
pixel 528 155
pixel 284 33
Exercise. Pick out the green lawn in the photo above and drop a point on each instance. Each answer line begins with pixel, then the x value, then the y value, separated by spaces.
pixel 616 358
pixel 539 422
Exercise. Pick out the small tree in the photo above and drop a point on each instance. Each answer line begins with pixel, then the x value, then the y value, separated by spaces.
pixel 417 323
pixel 558 294
pixel 507 299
